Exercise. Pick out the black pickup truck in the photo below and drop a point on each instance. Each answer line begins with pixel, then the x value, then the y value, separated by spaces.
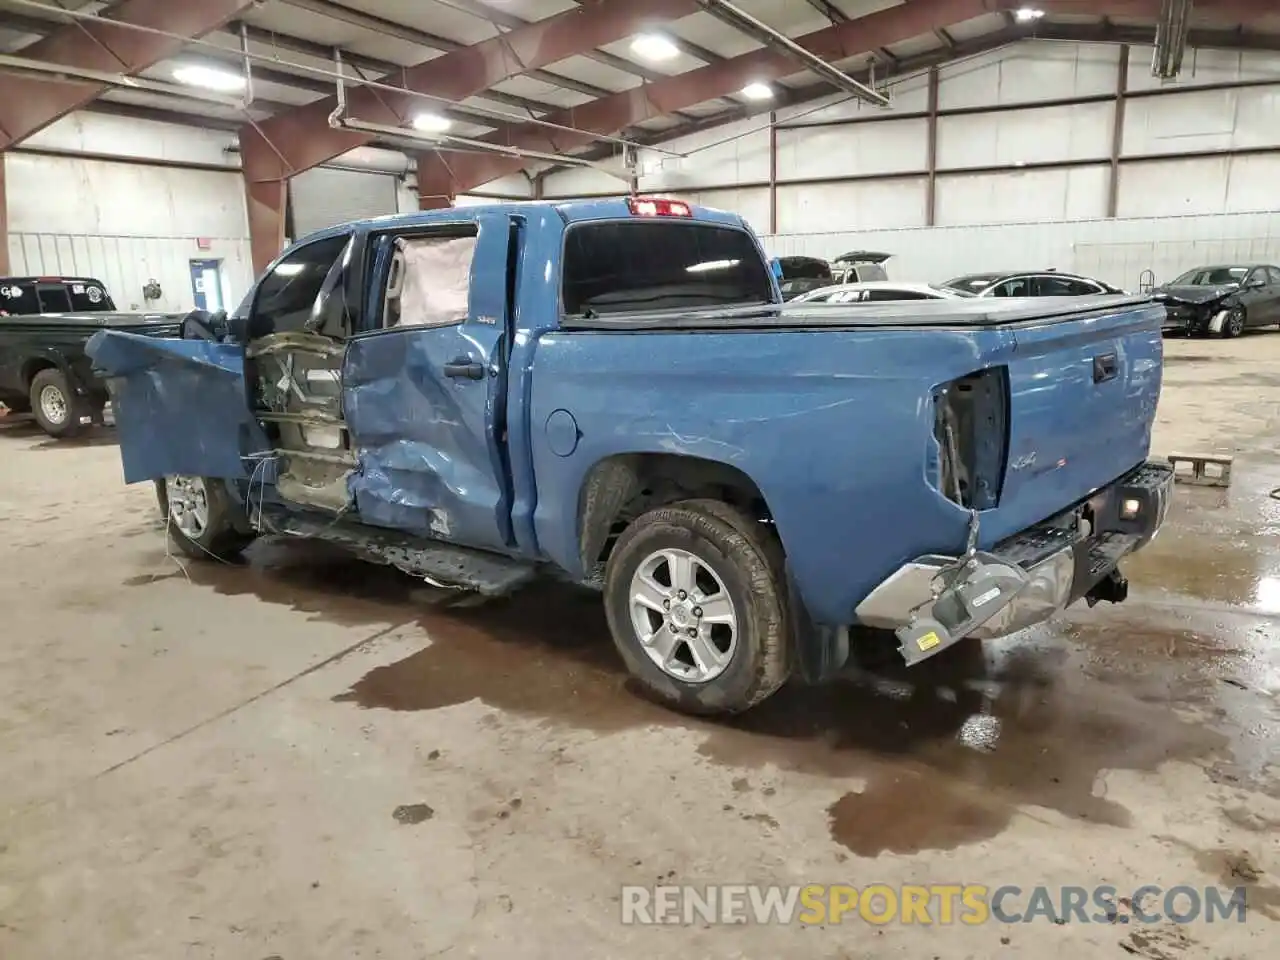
pixel 44 325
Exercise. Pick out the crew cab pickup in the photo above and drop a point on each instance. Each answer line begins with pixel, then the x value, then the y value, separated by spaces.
pixel 44 325
pixel 612 390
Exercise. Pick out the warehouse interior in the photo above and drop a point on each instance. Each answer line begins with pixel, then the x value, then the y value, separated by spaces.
pixel 308 755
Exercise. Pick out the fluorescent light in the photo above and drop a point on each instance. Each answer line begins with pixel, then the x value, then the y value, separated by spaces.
pixel 194 75
pixel 757 91
pixel 654 46
pixel 432 123
pixel 1027 14
pixel 710 265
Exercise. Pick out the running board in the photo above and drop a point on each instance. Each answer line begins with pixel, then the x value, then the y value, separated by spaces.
pixel 439 563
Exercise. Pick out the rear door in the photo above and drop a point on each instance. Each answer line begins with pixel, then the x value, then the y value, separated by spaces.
pixel 424 382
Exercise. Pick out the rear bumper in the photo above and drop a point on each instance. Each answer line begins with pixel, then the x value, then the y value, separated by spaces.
pixel 1062 560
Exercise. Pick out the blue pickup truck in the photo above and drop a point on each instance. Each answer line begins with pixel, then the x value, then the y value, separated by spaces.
pixel 612 390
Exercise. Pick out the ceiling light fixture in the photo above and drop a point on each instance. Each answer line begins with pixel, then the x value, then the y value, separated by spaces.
pixel 757 91
pixel 1027 14
pixel 223 81
pixel 654 47
pixel 431 123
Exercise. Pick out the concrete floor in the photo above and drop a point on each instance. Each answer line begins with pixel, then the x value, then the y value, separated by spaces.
pixel 310 758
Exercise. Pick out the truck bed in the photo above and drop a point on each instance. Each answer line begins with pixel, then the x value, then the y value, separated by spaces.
pixel 980 312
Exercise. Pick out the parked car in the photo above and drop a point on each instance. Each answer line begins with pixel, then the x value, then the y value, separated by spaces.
pixel 879 291
pixel 799 275
pixel 44 324
pixel 1047 283
pixel 859 266
pixel 610 389
pixel 1225 300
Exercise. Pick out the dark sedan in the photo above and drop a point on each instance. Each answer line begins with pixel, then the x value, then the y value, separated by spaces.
pixel 1224 300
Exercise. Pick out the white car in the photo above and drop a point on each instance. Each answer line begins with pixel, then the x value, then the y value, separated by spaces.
pixel 873 291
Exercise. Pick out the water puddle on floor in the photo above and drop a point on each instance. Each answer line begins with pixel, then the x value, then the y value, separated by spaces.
pixel 948 751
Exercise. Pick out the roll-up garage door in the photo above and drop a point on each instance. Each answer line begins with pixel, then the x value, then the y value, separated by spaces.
pixel 322 197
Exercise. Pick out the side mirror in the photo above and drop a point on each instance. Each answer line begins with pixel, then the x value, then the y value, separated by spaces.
pixel 1255 283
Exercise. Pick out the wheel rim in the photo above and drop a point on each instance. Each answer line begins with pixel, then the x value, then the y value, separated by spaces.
pixel 53 404
pixel 188 505
pixel 683 615
pixel 1235 322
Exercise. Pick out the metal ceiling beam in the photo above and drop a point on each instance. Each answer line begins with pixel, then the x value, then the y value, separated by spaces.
pixel 295 141
pixel 829 10
pixel 400 31
pixel 737 18
pixel 623 110
pixel 28 104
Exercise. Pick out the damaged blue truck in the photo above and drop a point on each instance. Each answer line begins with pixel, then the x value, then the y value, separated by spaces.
pixel 611 390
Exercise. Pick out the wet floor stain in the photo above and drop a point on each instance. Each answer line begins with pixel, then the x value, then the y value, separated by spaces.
pixel 948 752
pixel 412 813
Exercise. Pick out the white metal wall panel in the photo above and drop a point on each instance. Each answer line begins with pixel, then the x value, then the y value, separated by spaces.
pixel 893 146
pixel 1113 250
pixel 864 204
pixel 1045 134
pixel 583 182
pixel 907 95
pixel 127 223
pixel 1203 120
pixel 109 135
pixel 1023 196
pixel 1027 72
pixel 322 197
pixel 751 203
pixel 732 154
pixel 1203 67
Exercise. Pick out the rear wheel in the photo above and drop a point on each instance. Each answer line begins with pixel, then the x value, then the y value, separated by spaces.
pixel 1233 324
pixel 696 603
pixel 56 407
pixel 202 519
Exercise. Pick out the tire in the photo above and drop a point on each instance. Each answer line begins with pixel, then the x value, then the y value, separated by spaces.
pixel 56 406
pixel 225 532
pixel 732 557
pixel 1234 323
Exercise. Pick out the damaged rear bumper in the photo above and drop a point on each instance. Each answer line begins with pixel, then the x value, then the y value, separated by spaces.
pixel 936 600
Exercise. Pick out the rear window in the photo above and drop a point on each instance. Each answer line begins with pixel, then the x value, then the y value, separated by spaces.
pixel 973 284
pixel 31 297
pixel 632 265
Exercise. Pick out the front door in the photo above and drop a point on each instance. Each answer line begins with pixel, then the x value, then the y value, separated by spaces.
pixel 424 384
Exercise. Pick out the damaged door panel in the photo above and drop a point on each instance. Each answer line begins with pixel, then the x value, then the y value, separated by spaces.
pixel 424 385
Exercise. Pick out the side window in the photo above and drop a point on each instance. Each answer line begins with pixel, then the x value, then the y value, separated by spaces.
pixel 847 296
pixel 1017 287
pixel 897 295
pixel 429 281
pixel 1273 274
pixel 286 295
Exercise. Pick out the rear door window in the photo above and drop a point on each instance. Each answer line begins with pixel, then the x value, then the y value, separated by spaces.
pixel 891 294
pixel 1017 287
pixel 637 265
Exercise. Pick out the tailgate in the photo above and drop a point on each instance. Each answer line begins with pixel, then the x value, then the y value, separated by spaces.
pixel 1083 394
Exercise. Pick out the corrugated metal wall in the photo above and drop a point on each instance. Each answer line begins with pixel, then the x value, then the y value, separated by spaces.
pixel 127 223
pixel 872 189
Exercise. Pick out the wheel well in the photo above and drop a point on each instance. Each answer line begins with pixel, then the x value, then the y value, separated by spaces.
pixel 619 489
pixel 34 366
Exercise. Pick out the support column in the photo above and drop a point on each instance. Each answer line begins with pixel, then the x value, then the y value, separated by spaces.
pixel 773 173
pixel 435 184
pixel 266 202
pixel 4 220
pixel 931 149
pixel 1117 131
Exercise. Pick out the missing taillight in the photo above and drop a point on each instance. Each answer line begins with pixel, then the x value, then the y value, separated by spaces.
pixel 971 430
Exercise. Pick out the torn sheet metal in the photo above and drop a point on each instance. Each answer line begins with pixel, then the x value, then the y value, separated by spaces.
pixel 180 406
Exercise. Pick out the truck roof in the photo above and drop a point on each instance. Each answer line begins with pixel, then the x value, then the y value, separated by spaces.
pixel 572 211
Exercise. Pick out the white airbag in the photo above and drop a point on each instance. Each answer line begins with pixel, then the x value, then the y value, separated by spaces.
pixel 437 281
